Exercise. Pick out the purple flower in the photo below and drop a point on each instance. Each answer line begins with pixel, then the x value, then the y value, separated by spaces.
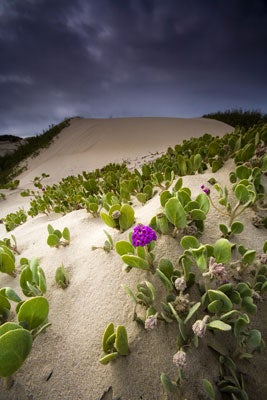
pixel 143 235
pixel 205 189
pixel 43 189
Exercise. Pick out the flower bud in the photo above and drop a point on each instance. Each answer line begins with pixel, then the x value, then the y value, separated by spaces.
pixel 179 359
pixel 116 214
pixel 180 284
pixel 200 326
pixel 151 322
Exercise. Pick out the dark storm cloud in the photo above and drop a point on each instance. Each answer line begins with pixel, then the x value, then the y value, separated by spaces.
pixel 117 57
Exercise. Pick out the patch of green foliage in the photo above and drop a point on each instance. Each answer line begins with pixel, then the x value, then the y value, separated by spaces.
pixel 238 117
pixel 9 162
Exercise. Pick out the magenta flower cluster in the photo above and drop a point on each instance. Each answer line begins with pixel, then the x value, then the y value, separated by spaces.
pixel 143 235
pixel 205 189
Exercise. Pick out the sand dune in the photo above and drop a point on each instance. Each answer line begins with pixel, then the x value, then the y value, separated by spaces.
pixel 64 362
pixel 92 143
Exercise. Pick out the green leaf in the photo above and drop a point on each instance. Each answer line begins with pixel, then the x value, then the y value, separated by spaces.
pixel 254 339
pixel 209 388
pixel 142 197
pixel 121 342
pixel 229 315
pixel 237 227
pixel 135 261
pixel 240 325
pixel 11 294
pixel 50 229
pixel 34 312
pixel 175 213
pixel 242 193
pixel 110 341
pixel 164 197
pixel 61 277
pixel 189 242
pixel 249 256
pixel 107 333
pixel 108 357
pixel 222 251
pixel 162 224
pixel 166 267
pixel 167 383
pixel 244 289
pixel 204 203
pixel 219 325
pixel 109 238
pixel 198 215
pixel 243 172
pixel 141 252
pixel 15 345
pixel 200 255
pixel 192 311
pixel 129 292
pixel 152 290
pixel 7 264
pixel 57 233
pixel 218 295
pixel 126 219
pixel 53 240
pixel 248 305
pixel 215 307
pixel 108 220
pixel 123 247
pixel 223 228
pixel 66 234
pixel 178 184
pixel 167 283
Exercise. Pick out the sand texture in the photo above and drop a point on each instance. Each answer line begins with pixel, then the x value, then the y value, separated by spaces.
pixel 64 361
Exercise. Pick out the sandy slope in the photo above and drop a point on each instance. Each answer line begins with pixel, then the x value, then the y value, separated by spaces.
pixel 71 347
pixel 92 143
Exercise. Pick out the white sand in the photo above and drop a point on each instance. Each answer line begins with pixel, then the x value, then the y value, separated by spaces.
pixel 71 347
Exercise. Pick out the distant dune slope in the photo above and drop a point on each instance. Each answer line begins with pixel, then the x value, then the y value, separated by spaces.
pixel 92 143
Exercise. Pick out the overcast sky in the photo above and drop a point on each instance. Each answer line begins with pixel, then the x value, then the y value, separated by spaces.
pixel 103 58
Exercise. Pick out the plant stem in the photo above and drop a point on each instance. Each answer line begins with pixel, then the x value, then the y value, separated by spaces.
pixel 216 208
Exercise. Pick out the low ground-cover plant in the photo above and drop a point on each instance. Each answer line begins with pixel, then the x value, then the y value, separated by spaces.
pixel 120 217
pixel 57 238
pixel 108 244
pixel 62 277
pixel 7 259
pixel 114 343
pixel 180 213
pixel 14 219
pixel 32 278
pixel 16 338
pixel 8 243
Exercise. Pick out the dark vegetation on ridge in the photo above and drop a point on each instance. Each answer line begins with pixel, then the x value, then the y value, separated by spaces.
pixel 9 163
pixel 10 138
pixel 238 117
